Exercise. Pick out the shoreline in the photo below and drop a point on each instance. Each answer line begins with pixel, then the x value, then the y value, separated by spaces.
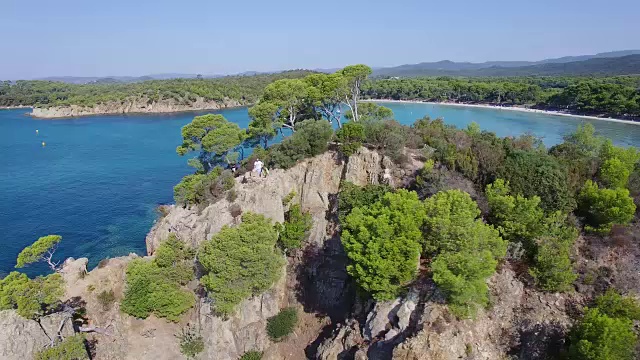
pixel 150 113
pixel 509 108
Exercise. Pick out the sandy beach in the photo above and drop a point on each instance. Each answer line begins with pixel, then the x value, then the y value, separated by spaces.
pixel 510 108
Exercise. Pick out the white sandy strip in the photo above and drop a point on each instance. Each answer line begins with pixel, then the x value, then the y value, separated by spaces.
pixel 511 108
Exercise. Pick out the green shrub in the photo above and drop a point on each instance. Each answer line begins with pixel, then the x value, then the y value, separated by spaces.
pixel 30 297
pixel 71 348
pixel 466 250
pixel 614 173
pixel 389 137
pixel 311 138
pixel 287 199
pixel 382 242
pixel 283 324
pixel 191 342
pixel 197 188
pixel 295 229
pixel 352 196
pixel 106 299
pixel 603 208
pixel 534 173
pixel 251 355
pixel 240 261
pixel 615 305
pixel 350 136
pixel 600 337
pixel 155 286
pixel 547 240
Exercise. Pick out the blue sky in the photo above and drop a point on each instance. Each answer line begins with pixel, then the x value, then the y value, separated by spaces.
pixel 138 37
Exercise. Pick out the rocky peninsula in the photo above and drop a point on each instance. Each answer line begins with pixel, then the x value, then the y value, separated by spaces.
pixel 133 106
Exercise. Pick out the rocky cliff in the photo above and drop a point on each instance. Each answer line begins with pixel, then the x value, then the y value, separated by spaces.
pixel 133 106
pixel 334 322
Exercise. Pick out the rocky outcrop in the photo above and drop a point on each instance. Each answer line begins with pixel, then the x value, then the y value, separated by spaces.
pixel 314 181
pixel 133 106
pixel 20 338
pixel 343 344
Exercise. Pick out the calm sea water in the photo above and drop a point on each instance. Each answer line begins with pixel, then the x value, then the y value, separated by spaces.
pixel 98 180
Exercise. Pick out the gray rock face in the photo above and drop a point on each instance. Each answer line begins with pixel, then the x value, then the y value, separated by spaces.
pixel 343 344
pixel 20 338
pixel 393 316
pixel 132 105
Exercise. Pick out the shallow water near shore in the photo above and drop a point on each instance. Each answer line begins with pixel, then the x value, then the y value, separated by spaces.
pixel 98 180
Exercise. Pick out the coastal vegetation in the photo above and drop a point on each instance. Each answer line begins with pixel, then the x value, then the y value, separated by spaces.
pixel 244 89
pixel 157 286
pixel 609 96
pixel 252 263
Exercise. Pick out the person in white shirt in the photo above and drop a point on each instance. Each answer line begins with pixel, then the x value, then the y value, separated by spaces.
pixel 257 166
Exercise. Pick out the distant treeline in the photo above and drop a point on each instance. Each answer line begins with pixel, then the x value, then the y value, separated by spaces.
pixel 245 89
pixel 611 96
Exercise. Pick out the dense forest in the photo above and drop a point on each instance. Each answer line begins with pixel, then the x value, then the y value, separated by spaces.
pixel 612 96
pixel 245 89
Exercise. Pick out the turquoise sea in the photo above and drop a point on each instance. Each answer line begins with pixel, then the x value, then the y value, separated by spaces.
pixel 99 179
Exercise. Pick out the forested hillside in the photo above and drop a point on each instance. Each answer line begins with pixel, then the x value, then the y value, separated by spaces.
pixel 245 89
pixel 623 65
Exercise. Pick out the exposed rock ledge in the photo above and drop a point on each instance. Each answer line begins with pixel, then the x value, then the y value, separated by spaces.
pixel 132 106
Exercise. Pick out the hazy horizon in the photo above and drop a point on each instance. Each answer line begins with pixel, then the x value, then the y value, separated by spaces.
pixel 87 39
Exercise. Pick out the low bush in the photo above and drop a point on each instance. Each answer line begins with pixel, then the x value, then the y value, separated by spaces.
pixel 106 299
pixel 283 324
pixel 601 337
pixel 251 355
pixel 71 348
pixel 295 229
pixel 311 138
pixel 196 189
pixel 350 136
pixel 240 261
pixel 352 196
pixel 155 286
pixel 603 208
pixel 31 298
pixel 191 342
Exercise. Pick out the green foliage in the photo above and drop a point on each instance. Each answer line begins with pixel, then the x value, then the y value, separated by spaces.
pixel 295 229
pixel 615 305
pixel 603 208
pixel 382 241
pixel 352 196
pixel 244 89
pixel 106 299
pixel 453 225
pixel 370 111
pixel 212 135
pixel 31 298
pixel 287 199
pixel 533 173
pixel 553 270
pixel 38 250
pixel 155 286
pixel 613 96
pixel 283 324
pixel 195 189
pixel 547 240
pixel 288 97
pixel 240 261
pixel 617 164
pixel 191 342
pixel 387 136
pixel 601 337
pixel 310 139
pixel 466 250
pixel 327 92
pixel 463 277
pixel 71 348
pixel 518 219
pixel 251 355
pixel 350 136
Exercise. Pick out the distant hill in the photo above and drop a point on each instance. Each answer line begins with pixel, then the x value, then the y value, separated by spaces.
pixel 610 63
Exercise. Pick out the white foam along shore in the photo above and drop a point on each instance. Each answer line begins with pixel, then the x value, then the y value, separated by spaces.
pixel 508 108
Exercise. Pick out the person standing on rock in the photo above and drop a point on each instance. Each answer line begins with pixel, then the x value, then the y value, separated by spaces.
pixel 257 167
